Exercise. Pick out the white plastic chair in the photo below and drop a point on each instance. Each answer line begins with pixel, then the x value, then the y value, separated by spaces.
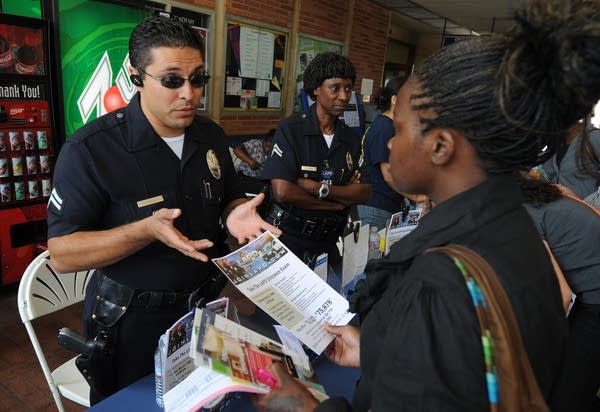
pixel 42 291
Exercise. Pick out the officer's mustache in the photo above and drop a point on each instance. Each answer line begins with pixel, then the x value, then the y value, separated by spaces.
pixel 185 105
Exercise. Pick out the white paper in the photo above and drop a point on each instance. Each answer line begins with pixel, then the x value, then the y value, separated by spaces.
pixel 351 117
pixel 283 286
pixel 321 266
pixel 366 86
pixel 355 254
pixel 274 99
pixel 233 86
pixel 262 87
pixel 293 347
pixel 201 386
pixel 257 49
pixel 266 51
pixel 248 52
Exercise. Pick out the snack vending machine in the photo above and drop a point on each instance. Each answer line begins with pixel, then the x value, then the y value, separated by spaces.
pixel 27 142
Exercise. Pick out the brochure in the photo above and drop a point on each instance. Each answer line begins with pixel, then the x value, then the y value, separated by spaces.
pixel 279 283
pixel 175 357
pixel 227 358
pixel 400 227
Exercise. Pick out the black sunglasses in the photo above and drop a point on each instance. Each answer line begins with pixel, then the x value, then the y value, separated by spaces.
pixel 197 80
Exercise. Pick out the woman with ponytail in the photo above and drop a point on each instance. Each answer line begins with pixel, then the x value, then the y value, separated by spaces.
pixel 576 164
pixel 384 201
pixel 467 121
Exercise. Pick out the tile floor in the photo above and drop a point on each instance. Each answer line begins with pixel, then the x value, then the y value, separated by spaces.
pixel 23 387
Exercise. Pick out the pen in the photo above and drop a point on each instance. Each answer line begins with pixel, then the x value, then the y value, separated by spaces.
pixel 207 191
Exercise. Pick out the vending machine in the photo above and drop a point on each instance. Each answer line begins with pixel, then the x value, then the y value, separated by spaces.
pixel 27 142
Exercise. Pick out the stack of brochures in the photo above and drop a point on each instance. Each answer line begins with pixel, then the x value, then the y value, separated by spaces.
pixel 221 356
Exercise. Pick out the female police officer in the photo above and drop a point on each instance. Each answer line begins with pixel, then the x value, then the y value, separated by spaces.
pixel 313 166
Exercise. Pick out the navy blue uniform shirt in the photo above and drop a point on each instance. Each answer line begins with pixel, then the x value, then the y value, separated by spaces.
pixel 299 151
pixel 376 152
pixel 117 170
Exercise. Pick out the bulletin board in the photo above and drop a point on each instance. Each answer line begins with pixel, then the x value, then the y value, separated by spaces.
pixel 254 68
pixel 308 48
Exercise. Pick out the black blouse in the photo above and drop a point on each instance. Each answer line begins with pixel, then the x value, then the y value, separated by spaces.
pixel 420 339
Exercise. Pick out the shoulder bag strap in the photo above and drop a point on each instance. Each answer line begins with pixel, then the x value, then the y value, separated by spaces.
pixel 512 385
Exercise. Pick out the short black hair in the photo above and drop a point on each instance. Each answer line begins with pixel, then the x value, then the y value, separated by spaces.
pixel 383 100
pixel 160 31
pixel 327 65
pixel 514 97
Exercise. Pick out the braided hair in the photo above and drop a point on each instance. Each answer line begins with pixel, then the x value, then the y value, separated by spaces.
pixel 515 96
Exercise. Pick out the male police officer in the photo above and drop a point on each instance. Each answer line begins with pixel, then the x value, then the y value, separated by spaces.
pixel 138 194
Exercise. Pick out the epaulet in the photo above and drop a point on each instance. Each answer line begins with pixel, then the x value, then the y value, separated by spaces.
pixel 115 118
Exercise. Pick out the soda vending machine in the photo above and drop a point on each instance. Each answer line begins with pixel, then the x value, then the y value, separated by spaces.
pixel 27 142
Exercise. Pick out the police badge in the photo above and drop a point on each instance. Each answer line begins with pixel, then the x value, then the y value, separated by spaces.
pixel 213 164
pixel 349 161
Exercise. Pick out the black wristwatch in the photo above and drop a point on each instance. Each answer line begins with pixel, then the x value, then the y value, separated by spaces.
pixel 324 190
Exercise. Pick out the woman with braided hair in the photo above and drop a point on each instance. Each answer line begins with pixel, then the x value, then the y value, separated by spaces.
pixel 466 121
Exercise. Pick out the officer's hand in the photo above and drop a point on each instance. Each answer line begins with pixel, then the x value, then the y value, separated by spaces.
pixel 244 223
pixel 161 227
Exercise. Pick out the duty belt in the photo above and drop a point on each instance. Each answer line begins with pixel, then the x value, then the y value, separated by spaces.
pixel 317 228
pixel 124 296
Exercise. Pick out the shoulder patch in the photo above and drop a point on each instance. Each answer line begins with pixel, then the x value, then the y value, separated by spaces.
pixel 276 151
pixel 55 202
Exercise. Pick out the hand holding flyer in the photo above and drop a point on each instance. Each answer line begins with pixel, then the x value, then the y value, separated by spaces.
pixel 283 286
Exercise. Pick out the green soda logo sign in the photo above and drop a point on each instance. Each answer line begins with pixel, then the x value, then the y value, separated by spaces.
pixel 94 38
pixel 100 96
